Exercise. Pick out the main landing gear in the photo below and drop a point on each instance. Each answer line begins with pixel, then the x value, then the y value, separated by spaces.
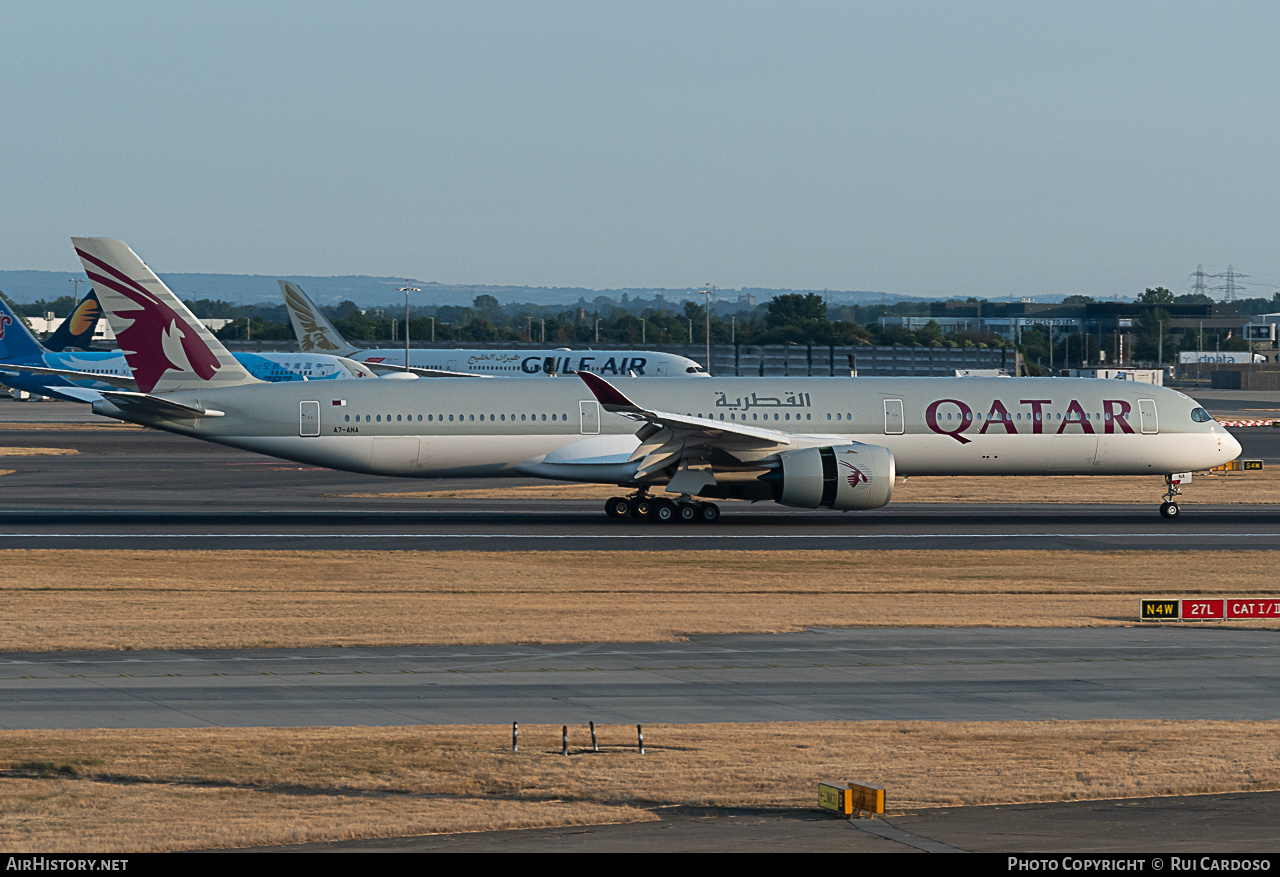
pixel 684 510
pixel 1169 509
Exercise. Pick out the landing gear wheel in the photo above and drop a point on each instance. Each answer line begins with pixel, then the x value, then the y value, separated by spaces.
pixel 708 512
pixel 662 510
pixel 687 512
pixel 1169 508
pixel 642 507
pixel 617 507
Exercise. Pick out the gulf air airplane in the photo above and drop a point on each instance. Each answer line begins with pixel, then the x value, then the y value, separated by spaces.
pixel 818 443
pixel 27 364
pixel 316 333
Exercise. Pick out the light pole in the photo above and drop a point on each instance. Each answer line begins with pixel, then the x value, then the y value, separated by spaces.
pixel 706 317
pixel 77 281
pixel 406 290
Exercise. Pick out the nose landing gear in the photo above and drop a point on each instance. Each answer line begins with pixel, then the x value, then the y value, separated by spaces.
pixel 1169 509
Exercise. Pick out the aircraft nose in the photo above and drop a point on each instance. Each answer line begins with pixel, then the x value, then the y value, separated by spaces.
pixel 1231 445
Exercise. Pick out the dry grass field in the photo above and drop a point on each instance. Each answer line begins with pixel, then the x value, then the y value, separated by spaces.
pixel 76 426
pixel 36 452
pixel 70 791
pixel 271 599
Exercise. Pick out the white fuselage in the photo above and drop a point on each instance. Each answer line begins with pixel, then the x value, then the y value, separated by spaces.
pixel 557 429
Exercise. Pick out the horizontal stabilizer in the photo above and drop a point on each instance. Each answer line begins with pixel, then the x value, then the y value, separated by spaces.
pixel 157 405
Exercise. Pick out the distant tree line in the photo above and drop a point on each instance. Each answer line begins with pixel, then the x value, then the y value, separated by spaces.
pixel 792 318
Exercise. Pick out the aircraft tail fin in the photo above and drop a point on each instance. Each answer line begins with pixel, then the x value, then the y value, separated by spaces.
pixel 315 333
pixel 77 329
pixel 16 340
pixel 167 348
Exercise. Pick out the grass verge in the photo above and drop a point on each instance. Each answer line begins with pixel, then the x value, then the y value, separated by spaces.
pixel 146 790
pixel 279 599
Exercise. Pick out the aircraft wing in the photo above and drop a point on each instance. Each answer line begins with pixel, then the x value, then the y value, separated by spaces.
pixel 685 445
pixel 123 382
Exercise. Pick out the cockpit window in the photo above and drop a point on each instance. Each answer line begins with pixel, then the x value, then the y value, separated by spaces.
pixel 1199 415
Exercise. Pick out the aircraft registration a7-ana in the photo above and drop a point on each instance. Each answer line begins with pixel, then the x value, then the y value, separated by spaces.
pixel 819 443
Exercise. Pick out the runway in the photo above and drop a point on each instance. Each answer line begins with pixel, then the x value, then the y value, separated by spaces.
pixel 515 525
pixel 818 675
pixel 141 489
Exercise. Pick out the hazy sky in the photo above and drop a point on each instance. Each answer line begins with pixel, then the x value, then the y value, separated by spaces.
pixel 972 148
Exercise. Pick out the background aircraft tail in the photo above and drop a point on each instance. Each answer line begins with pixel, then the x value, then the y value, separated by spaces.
pixel 166 346
pixel 77 329
pixel 16 340
pixel 315 333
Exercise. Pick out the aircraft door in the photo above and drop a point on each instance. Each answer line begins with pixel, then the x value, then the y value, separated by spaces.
pixel 589 414
pixel 1147 414
pixel 661 368
pixel 308 418
pixel 894 422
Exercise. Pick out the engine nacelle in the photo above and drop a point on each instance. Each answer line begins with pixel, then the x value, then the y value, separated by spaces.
pixel 836 477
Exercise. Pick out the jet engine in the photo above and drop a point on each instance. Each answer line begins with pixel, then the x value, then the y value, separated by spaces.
pixel 838 477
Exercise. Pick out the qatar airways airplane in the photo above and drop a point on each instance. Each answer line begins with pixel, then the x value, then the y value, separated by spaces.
pixel 820 443
pixel 316 334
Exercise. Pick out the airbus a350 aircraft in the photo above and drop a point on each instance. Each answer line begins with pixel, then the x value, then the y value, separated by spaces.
pixel 316 333
pixel 77 376
pixel 821 443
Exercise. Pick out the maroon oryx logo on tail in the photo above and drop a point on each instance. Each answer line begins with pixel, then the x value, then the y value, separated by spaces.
pixel 856 475
pixel 157 333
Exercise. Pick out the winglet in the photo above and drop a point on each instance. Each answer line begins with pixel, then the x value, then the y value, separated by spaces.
pixel 609 396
